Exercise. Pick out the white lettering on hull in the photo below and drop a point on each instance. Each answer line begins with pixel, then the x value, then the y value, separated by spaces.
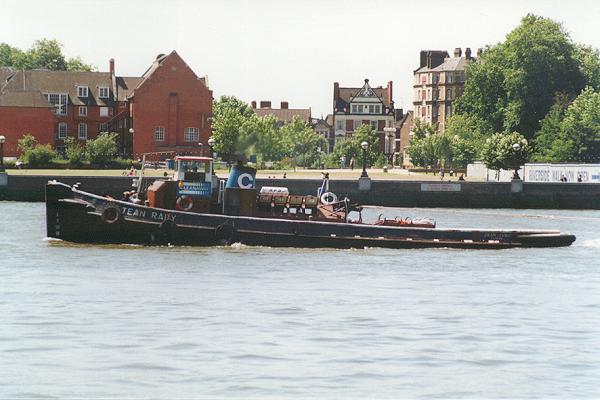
pixel 153 215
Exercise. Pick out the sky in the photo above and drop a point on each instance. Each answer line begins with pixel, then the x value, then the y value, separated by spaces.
pixel 282 50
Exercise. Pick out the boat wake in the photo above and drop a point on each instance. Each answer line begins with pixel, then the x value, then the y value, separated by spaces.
pixel 592 243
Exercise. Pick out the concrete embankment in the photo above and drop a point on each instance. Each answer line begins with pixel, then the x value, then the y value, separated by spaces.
pixel 382 192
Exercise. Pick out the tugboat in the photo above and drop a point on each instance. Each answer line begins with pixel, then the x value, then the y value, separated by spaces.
pixel 195 208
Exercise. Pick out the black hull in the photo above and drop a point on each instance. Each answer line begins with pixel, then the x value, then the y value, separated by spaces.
pixel 81 217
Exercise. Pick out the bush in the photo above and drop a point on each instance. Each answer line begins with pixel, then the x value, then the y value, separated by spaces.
pixel 26 143
pixel 40 155
pixel 103 149
pixel 74 151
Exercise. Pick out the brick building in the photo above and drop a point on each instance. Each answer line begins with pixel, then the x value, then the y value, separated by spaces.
pixel 353 107
pixel 283 114
pixel 439 81
pixel 168 108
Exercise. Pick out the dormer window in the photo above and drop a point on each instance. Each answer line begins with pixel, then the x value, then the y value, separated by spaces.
pixel 82 91
pixel 103 92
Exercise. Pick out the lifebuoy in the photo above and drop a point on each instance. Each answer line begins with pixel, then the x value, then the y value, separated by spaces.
pixel 328 198
pixel 184 203
pixel 110 215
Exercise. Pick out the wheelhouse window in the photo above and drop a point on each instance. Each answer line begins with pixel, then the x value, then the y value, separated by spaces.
pixel 83 111
pixel 103 92
pixel 191 134
pixel 82 131
pixel 62 130
pixel 82 91
pixel 159 134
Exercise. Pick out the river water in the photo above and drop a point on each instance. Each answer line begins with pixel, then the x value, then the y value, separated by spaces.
pixel 257 322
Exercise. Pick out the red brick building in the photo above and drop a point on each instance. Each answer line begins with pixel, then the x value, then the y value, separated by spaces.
pixel 25 112
pixel 168 108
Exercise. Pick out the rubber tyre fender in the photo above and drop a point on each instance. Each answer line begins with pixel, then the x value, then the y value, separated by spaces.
pixel 110 215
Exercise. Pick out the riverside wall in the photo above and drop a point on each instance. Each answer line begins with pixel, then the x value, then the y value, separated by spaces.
pixel 382 192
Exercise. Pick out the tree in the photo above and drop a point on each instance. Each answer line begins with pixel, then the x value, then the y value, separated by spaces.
pixel 579 138
pixel 514 84
pixel 260 135
pixel 229 115
pixel 506 151
pixel 44 53
pixel 546 145
pixel 467 135
pixel 589 63
pixel 428 148
pixel 351 146
pixel 303 141
pixel 77 64
pixel 103 149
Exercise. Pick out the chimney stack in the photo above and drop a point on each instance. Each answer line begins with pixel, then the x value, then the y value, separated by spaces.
pixel 111 67
pixel 265 104
pixel 253 104
pixel 390 94
pixel 284 105
pixel 336 93
pixel 468 53
pixel 457 52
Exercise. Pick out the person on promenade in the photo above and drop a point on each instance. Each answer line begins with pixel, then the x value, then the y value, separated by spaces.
pixel 442 174
pixel 352 163
pixel 343 162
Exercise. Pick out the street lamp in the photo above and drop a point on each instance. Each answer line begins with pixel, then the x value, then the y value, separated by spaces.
pixel 516 148
pixel 364 146
pixel 2 140
pixel 389 143
pixel 319 157
pixel 126 143
pixel 211 145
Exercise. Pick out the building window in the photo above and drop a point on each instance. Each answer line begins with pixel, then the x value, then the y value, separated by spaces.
pixel 62 130
pixel 377 108
pixel 424 79
pixel 159 134
pixel 82 131
pixel 82 91
pixel 104 111
pixel 373 125
pixel 103 92
pixel 103 127
pixel 191 134
pixel 357 109
pixel 59 100
pixel 83 111
pixel 371 108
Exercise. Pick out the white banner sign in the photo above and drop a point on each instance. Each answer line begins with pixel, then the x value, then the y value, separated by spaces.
pixel 585 173
pixel 440 187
